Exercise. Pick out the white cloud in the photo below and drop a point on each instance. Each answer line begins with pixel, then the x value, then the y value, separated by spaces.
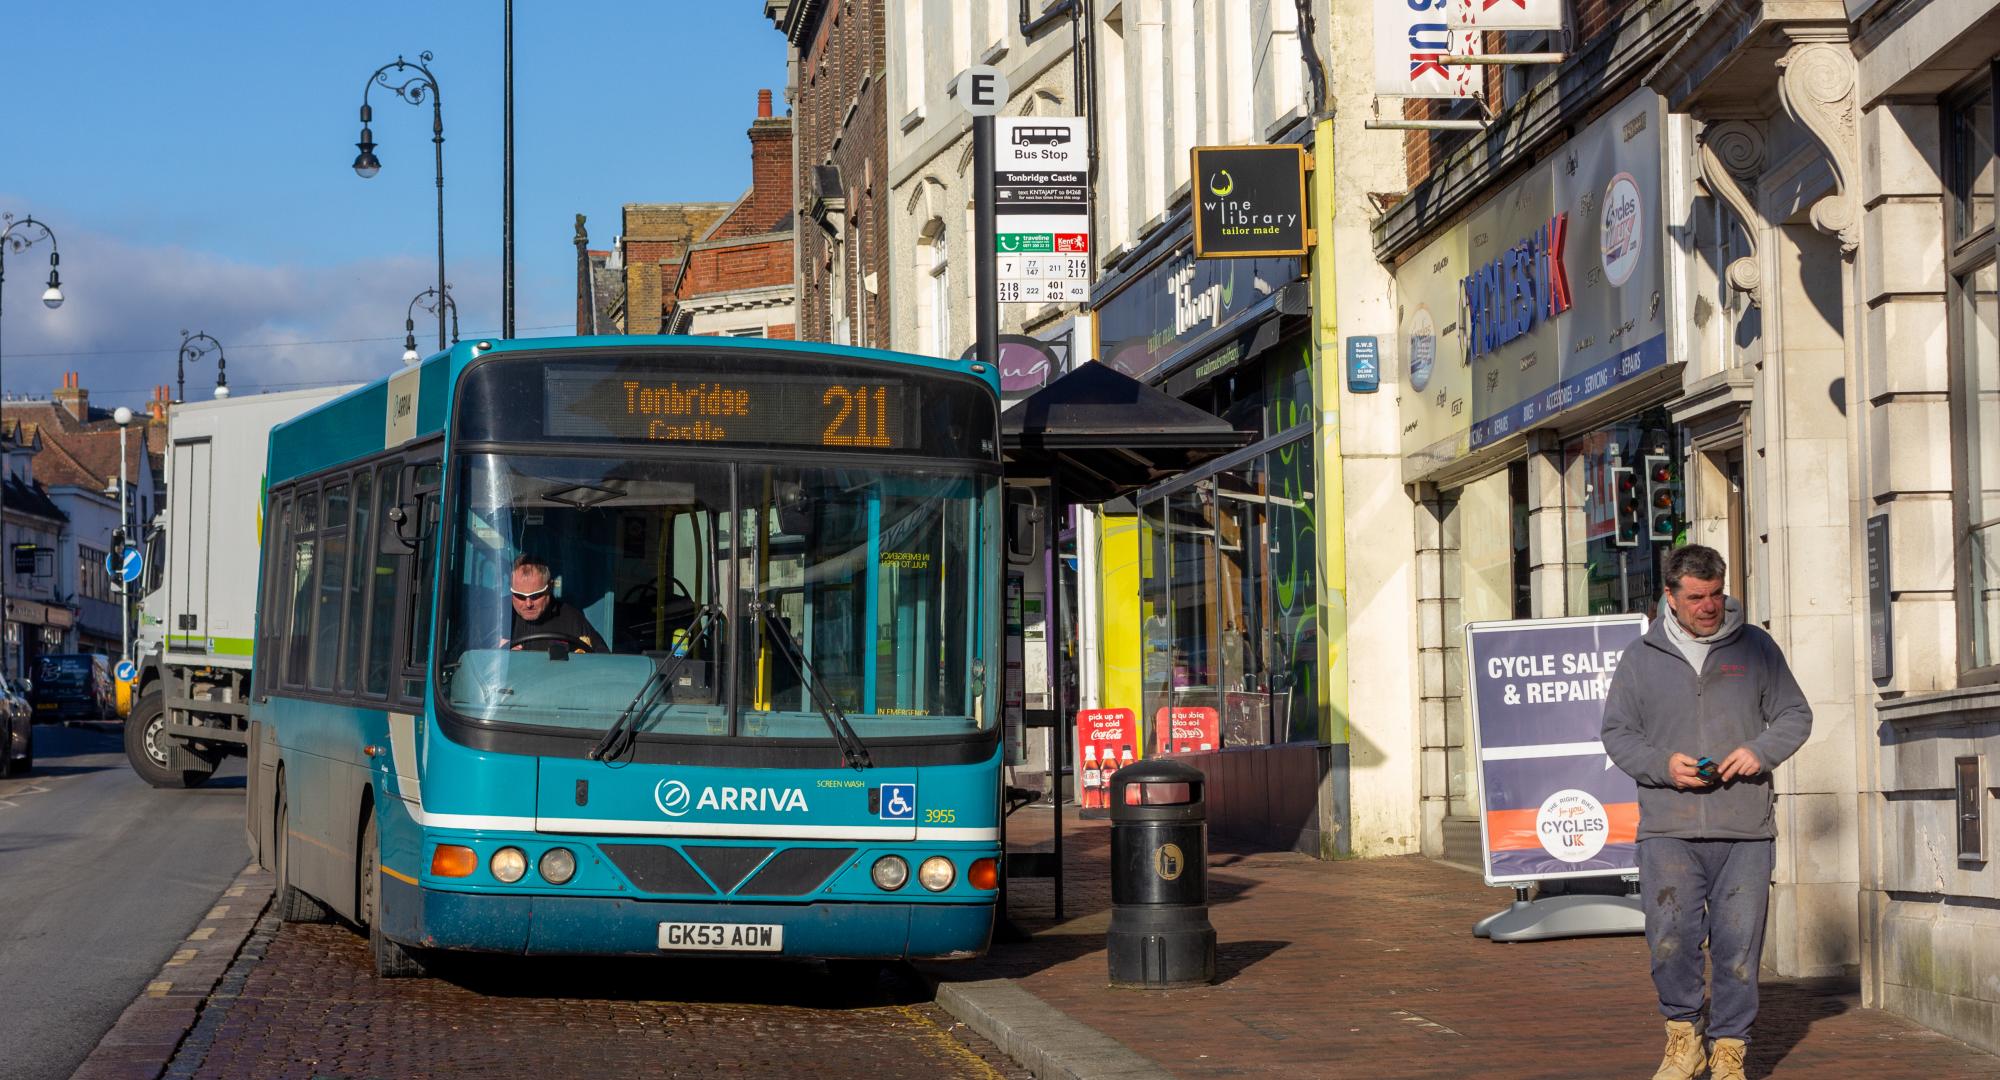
pixel 280 326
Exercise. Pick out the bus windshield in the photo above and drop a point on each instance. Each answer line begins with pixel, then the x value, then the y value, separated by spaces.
pixel 666 562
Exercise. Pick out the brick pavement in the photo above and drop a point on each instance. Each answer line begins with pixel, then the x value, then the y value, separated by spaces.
pixel 1367 968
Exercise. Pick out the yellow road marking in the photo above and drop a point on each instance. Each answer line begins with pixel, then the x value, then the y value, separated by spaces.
pixel 181 957
pixel 219 911
pixel 158 988
pixel 202 934
pixel 951 1047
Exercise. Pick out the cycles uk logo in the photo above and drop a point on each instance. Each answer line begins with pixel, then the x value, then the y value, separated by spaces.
pixel 1572 825
pixel 672 797
pixel 1622 237
pixel 1221 184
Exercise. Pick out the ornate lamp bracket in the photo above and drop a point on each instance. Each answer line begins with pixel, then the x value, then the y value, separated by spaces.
pixel 1732 151
pixel 1816 87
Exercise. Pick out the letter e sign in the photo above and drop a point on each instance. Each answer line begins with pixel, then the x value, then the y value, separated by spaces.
pixel 982 90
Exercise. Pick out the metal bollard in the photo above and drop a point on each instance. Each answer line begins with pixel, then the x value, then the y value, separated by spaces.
pixel 1160 935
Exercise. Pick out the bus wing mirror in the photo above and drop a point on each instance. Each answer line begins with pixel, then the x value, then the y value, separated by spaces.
pixel 1024 526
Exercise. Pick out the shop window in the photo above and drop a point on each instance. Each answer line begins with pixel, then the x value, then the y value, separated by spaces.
pixel 1970 138
pixel 1626 511
pixel 1228 603
pixel 1973 296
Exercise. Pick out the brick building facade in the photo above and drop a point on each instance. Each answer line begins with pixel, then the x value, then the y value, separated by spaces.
pixel 840 158
pixel 737 278
pixel 655 239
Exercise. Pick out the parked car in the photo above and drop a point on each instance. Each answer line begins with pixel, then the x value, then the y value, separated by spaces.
pixel 17 729
pixel 74 686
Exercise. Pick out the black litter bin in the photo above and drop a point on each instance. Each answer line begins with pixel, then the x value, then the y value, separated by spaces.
pixel 1160 936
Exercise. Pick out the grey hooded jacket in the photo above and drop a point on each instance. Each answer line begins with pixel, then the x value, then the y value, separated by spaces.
pixel 1658 705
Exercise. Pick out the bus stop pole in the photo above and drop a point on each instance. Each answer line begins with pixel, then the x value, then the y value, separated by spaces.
pixel 986 299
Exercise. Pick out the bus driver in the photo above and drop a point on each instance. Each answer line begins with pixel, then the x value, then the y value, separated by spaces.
pixel 539 617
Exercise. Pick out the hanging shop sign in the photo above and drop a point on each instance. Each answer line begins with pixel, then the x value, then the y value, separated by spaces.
pixel 1149 325
pixel 1412 37
pixel 1552 803
pixel 1550 295
pixel 1041 207
pixel 1252 201
pixel 1505 14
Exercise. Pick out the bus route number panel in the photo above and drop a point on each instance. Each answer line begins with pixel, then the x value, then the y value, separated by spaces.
pixel 722 937
pixel 760 409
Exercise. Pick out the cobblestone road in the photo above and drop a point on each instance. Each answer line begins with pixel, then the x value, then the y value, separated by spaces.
pixel 301 1001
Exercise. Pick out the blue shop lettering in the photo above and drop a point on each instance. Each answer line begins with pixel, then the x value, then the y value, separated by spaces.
pixel 1512 294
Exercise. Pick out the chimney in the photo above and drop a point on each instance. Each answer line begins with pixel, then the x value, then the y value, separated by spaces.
pixel 157 408
pixel 74 398
pixel 770 166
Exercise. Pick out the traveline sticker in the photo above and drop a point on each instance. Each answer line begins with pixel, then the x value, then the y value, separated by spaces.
pixel 899 802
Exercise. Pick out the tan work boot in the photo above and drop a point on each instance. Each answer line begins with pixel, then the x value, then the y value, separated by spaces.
pixel 1727 1059
pixel 1684 1060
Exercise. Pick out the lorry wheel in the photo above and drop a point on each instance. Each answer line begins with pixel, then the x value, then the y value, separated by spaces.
pixel 153 756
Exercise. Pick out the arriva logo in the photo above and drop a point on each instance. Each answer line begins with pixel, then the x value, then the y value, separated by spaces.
pixel 673 797
pixel 1221 184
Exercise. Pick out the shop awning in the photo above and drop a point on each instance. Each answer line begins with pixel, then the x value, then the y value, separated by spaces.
pixel 1098 433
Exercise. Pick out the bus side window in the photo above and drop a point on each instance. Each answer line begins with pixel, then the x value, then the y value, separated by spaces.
pixel 299 585
pixel 388 571
pixel 422 591
pixel 270 660
pixel 359 537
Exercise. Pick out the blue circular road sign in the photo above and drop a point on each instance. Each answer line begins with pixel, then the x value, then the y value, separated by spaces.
pixel 125 565
pixel 126 670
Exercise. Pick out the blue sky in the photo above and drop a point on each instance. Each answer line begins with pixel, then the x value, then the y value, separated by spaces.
pixel 194 160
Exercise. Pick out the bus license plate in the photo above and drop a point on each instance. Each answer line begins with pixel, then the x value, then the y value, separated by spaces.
pixel 722 937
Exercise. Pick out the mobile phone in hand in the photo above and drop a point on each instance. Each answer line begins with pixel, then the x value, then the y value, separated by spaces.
pixel 1706 769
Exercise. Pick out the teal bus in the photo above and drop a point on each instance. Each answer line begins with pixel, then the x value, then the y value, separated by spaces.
pixel 766 721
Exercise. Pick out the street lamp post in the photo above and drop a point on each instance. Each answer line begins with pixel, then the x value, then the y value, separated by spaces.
pixel 124 417
pixel 197 346
pixel 22 235
pixel 417 84
pixel 410 354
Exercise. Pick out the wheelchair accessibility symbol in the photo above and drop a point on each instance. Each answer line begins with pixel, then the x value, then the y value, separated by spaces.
pixel 899 802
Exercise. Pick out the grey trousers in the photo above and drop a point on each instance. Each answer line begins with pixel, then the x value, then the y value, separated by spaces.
pixel 1713 890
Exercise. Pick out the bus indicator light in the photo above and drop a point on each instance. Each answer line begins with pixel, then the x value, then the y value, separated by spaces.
pixel 983 874
pixel 451 860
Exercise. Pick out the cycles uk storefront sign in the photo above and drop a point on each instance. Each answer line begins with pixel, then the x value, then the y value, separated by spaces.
pixel 1548 296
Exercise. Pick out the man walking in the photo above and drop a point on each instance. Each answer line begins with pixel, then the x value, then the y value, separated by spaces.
pixel 1700 711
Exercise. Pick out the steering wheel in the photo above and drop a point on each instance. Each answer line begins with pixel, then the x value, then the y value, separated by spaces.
pixel 576 644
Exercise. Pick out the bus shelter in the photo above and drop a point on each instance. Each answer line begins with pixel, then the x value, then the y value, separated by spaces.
pixel 1091 436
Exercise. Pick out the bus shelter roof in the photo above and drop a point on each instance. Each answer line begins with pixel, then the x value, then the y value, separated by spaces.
pixel 1098 433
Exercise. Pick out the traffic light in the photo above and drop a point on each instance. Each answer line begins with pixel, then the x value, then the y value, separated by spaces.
pixel 1663 498
pixel 1627 515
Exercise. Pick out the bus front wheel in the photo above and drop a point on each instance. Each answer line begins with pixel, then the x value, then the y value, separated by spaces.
pixel 392 960
pixel 152 753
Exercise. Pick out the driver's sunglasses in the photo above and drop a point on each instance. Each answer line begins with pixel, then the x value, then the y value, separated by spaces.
pixel 526 596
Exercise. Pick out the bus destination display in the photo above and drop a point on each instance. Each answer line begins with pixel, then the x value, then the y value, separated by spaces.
pixel 757 409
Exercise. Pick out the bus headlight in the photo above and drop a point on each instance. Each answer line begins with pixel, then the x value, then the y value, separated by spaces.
pixel 936 873
pixel 890 872
pixel 508 864
pixel 557 866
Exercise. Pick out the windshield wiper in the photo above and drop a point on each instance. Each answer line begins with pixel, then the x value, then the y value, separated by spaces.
pixel 620 735
pixel 851 746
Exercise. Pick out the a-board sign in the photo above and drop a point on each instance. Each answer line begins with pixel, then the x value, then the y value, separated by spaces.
pixel 1106 740
pixel 1552 804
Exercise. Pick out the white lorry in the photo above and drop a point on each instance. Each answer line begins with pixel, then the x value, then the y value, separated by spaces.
pixel 197 621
